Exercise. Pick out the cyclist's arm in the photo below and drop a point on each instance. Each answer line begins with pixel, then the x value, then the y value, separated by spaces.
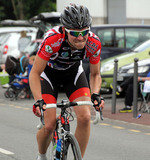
pixel 95 78
pixel 34 77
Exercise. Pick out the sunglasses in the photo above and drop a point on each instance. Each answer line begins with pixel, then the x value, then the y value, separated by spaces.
pixel 78 33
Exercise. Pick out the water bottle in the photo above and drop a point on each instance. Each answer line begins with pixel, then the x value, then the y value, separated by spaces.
pixel 139 116
pixel 58 149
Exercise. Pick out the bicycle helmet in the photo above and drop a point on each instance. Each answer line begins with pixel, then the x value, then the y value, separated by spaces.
pixel 76 17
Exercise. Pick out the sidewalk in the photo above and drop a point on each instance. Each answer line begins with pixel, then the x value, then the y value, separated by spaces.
pixel 127 117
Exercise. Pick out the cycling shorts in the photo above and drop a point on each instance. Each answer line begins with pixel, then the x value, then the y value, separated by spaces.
pixel 73 80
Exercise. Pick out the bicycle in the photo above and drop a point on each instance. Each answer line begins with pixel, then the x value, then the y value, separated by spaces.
pixel 69 148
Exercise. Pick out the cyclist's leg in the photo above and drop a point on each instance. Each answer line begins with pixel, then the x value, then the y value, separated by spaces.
pixel 77 89
pixel 83 124
pixel 44 134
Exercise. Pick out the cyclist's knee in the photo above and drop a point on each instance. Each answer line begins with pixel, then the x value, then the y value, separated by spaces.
pixel 84 119
pixel 49 128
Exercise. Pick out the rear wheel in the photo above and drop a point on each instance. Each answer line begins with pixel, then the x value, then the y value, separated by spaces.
pixel 71 148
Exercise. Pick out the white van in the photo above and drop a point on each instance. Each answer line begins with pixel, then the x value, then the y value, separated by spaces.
pixel 9 37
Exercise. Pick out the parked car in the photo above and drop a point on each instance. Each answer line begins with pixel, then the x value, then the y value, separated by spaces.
pixel 107 66
pixel 117 39
pixel 128 70
pixel 9 37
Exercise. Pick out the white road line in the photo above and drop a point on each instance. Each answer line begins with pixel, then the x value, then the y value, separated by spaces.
pixel 5 151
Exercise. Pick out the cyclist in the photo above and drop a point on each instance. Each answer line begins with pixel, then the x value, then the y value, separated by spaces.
pixel 59 61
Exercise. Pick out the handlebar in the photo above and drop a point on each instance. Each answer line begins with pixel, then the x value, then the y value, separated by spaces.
pixel 65 104
pixel 79 103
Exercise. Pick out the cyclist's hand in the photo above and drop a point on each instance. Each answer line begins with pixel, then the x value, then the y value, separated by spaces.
pixel 39 106
pixel 102 102
pixel 98 101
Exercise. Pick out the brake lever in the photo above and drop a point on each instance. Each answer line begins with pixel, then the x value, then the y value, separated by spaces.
pixel 101 114
pixel 42 116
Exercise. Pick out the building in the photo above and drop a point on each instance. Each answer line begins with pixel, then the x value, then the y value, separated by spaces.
pixel 114 11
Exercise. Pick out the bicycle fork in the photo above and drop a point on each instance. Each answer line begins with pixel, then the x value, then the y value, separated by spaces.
pixel 64 129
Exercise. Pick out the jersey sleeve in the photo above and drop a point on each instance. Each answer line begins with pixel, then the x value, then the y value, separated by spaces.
pixel 95 58
pixel 93 49
pixel 50 45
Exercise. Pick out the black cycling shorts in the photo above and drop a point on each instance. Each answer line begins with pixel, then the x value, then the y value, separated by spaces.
pixel 73 80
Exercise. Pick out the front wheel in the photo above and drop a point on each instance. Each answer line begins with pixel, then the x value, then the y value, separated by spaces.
pixel 71 149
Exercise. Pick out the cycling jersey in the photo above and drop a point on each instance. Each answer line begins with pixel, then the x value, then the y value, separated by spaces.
pixel 64 65
pixel 56 50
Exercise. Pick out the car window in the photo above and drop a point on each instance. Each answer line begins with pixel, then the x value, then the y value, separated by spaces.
pixel 143 46
pixel 120 41
pixel 3 38
pixel 106 37
pixel 135 36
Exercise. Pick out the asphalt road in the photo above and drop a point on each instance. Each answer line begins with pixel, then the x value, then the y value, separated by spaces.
pixel 109 140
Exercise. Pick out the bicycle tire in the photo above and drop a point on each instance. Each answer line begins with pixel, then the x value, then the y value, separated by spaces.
pixel 71 148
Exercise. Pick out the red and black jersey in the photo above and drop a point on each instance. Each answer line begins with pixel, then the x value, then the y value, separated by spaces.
pixel 56 50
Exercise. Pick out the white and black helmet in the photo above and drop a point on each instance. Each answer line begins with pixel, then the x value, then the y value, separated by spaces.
pixel 76 17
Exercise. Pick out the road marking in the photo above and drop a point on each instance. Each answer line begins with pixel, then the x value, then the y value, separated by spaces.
pixel 5 151
pixel 26 108
pixel 12 105
pixel 3 104
pixel 147 134
pixel 133 130
pixel 18 107
pixel 117 127
pixel 104 124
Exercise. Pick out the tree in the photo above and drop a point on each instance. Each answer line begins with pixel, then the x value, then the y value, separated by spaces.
pixel 2 14
pixel 25 9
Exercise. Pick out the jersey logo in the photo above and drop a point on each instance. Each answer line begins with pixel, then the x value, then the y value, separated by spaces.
pixel 48 49
pixel 54 56
pixel 58 43
pixel 97 53
pixel 64 54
